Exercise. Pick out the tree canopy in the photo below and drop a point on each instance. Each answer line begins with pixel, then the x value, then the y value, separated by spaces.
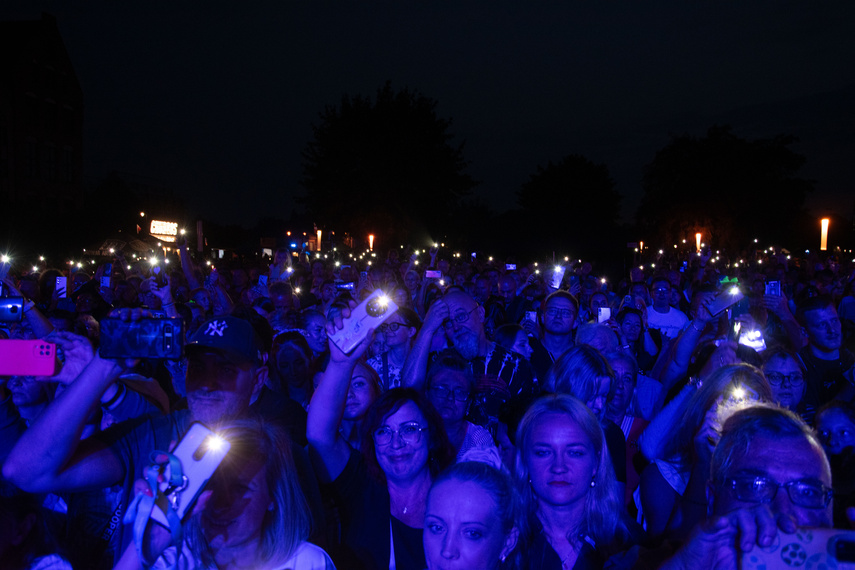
pixel 381 166
pixel 728 188
pixel 572 203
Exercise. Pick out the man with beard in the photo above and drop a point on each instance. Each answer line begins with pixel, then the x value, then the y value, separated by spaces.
pixel 504 382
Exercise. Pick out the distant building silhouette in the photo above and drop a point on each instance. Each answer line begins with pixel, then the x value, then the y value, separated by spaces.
pixel 41 118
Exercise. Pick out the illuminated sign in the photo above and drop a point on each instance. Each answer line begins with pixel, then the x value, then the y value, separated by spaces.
pixel 165 231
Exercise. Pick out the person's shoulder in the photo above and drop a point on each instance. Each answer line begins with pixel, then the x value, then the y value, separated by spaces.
pixel 50 562
pixel 308 556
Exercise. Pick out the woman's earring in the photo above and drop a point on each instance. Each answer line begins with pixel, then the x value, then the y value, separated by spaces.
pixel 593 483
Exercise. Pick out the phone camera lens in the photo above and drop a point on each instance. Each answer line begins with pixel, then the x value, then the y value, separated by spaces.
pixel 375 308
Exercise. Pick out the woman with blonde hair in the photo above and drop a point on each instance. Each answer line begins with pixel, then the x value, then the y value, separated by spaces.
pixel 254 517
pixel 567 486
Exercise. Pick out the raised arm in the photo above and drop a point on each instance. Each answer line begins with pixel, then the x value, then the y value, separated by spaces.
pixel 49 456
pixel 187 265
pixel 681 355
pixel 326 409
pixel 414 370
pixel 38 322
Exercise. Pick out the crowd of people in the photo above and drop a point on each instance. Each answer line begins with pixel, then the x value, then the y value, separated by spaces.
pixel 505 415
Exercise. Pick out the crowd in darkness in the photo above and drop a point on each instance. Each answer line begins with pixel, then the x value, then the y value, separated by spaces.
pixel 506 415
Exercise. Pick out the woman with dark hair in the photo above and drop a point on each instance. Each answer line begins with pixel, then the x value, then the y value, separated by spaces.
pixel 294 366
pixel 449 385
pixel 640 340
pixel 381 490
pixel 398 332
pixel 514 338
pixel 835 425
pixel 786 375
pixel 472 519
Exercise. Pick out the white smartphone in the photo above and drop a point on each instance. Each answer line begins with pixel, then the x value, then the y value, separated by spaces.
pixel 603 314
pixel 557 276
pixel 62 287
pixel 806 548
pixel 200 452
pixel 369 314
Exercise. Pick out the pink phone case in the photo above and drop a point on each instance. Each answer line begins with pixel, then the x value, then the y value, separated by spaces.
pixel 27 358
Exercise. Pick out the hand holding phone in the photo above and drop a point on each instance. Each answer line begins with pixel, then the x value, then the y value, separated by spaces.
pixel 369 314
pixel 199 453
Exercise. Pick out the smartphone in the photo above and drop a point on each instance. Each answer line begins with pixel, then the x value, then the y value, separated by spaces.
pixel 725 299
pixel 369 314
pixel 62 287
pixel 557 276
pixel 341 285
pixel 773 288
pixel 603 314
pixel 27 358
pixel 148 338
pixel 105 278
pixel 510 267
pixel 807 547
pixel 11 309
pixel 433 274
pixel 262 280
pixel 200 452
pixel 4 269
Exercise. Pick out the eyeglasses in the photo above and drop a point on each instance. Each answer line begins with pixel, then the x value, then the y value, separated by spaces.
pixel 410 433
pixel 458 318
pixel 763 490
pixel 390 327
pixel 563 313
pixel 776 379
pixel 662 290
pixel 442 392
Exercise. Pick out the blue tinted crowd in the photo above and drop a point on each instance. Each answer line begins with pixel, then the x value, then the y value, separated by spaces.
pixel 504 416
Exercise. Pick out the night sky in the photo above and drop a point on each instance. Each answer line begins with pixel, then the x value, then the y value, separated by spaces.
pixel 215 100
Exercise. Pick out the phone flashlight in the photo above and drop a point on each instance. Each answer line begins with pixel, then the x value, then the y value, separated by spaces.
pixel 215 442
pixel 738 393
pixel 734 290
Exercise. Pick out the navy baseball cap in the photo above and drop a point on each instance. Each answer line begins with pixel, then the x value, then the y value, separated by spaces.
pixel 232 335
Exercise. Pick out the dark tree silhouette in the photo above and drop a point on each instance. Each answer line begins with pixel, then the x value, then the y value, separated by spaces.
pixel 570 204
pixel 729 188
pixel 383 166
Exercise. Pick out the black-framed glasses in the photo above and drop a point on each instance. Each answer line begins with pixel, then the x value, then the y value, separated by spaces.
pixel 563 313
pixel 458 318
pixel 409 432
pixel 442 392
pixel 390 327
pixel 776 379
pixel 808 494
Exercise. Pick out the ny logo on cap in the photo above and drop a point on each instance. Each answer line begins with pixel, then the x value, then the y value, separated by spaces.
pixel 216 328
